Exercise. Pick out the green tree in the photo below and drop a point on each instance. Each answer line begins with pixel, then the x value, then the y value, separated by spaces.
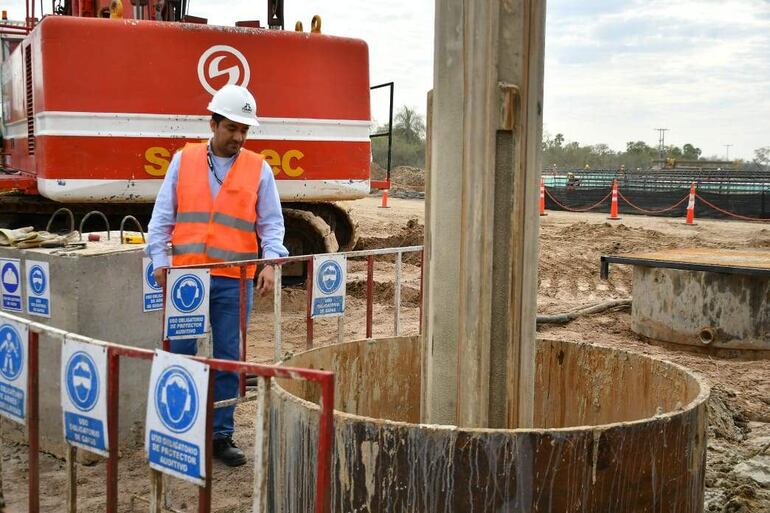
pixel 762 156
pixel 408 147
pixel 690 152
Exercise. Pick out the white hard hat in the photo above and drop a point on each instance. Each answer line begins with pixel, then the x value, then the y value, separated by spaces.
pixel 235 103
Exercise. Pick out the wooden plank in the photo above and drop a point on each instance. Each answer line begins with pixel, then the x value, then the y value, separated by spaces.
pixel 70 456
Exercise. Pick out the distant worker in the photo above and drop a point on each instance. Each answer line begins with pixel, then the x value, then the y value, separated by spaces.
pixel 572 180
pixel 215 200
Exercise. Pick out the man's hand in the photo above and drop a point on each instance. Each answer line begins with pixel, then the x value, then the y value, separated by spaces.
pixel 160 276
pixel 266 280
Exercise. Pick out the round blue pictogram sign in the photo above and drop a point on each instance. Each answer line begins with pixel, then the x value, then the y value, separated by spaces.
pixel 187 293
pixel 11 354
pixel 37 280
pixel 176 399
pixel 10 276
pixel 329 277
pixel 151 278
pixel 82 381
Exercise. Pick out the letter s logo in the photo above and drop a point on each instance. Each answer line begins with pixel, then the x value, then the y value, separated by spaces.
pixel 222 61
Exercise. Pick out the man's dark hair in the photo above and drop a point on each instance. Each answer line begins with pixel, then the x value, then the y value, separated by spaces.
pixel 217 117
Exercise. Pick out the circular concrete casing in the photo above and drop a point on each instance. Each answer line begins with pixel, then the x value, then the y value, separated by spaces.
pixel 705 309
pixel 614 432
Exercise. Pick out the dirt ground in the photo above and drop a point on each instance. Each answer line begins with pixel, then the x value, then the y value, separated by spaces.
pixel 570 247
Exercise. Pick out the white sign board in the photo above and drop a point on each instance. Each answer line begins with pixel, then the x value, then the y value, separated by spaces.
pixel 329 285
pixel 175 437
pixel 38 288
pixel 152 292
pixel 84 395
pixel 13 370
pixel 10 284
pixel 187 303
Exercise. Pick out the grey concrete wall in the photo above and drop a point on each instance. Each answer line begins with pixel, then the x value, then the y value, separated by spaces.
pixel 96 293
pixel 675 306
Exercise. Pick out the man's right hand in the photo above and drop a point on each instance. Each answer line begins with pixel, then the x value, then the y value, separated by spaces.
pixel 160 276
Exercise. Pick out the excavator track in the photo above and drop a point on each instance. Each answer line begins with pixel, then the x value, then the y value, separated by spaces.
pixel 337 217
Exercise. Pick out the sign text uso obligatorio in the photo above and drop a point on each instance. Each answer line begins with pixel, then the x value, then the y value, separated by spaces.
pixel 157 159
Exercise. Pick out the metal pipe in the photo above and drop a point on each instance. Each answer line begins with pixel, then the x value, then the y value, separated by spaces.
pixel 422 279
pixel 242 313
pixel 113 393
pixel 33 417
pixel 707 335
pixel 309 313
pixel 369 294
pixel 204 492
pixel 278 351
pixel 325 438
pixel 397 298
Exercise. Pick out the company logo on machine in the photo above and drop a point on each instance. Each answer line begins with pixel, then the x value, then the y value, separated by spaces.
pixel 221 65
pixel 329 277
pixel 188 293
pixel 82 381
pixel 37 280
pixel 11 353
pixel 176 399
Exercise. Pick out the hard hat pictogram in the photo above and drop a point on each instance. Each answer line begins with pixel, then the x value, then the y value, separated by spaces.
pixel 82 381
pixel 221 65
pixel 11 355
pixel 176 399
pixel 187 293
pixel 329 277
pixel 10 277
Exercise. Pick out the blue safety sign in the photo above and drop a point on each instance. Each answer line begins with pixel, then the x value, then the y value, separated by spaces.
pixel 329 285
pixel 84 369
pixel 38 288
pixel 187 303
pixel 175 439
pixel 152 292
pixel 10 284
pixel 13 370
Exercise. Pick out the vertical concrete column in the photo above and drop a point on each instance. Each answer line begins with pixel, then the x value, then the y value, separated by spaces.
pixel 478 352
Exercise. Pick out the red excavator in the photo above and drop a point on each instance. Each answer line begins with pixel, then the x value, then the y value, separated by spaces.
pixel 98 96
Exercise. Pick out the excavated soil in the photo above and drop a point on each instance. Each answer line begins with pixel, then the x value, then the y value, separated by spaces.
pixel 570 247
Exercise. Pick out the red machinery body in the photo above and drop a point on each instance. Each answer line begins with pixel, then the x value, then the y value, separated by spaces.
pixel 94 109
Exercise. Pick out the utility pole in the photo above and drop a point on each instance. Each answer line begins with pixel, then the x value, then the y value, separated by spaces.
pixel 661 141
pixel 727 151
pixel 478 357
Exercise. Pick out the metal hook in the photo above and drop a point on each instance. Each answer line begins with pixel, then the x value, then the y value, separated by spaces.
pixel 315 24
pixel 136 221
pixel 83 222
pixel 72 219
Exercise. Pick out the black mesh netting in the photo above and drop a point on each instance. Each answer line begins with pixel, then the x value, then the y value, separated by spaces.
pixel 755 205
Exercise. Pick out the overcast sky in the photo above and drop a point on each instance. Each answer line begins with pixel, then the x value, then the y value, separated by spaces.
pixel 615 69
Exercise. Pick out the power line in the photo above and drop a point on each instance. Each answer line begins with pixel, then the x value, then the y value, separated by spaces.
pixel 727 151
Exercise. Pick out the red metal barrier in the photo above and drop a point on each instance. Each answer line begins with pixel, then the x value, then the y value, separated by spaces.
pixel 115 352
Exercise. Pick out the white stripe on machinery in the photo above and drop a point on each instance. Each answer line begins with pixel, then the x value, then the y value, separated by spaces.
pixel 117 124
pixel 144 191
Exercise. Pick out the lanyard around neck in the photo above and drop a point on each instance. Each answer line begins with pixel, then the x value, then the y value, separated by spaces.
pixel 211 165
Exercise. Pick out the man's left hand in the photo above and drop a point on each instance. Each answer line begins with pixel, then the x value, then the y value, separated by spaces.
pixel 266 280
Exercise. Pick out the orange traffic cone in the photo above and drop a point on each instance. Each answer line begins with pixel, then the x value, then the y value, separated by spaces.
pixel 384 199
pixel 691 206
pixel 614 205
pixel 542 197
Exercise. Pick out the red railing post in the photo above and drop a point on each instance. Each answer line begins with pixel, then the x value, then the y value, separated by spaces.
pixel 33 419
pixel 325 437
pixel 113 393
pixel 204 492
pixel 309 317
pixel 242 312
pixel 165 343
pixel 369 294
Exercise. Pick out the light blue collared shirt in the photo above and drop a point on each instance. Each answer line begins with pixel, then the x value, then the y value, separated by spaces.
pixel 270 227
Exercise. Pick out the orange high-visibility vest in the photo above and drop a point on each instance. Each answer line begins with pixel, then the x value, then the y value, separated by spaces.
pixel 222 229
